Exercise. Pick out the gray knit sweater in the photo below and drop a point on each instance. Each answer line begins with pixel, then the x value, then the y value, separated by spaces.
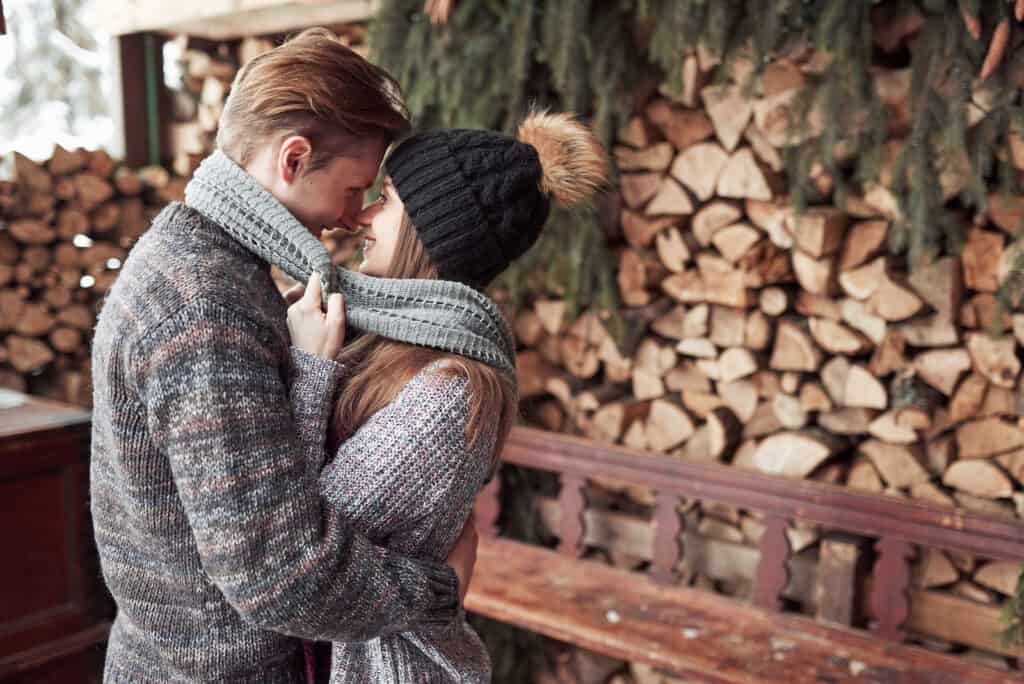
pixel 408 479
pixel 212 539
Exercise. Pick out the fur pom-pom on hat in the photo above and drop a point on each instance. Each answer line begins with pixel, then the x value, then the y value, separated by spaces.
pixel 573 161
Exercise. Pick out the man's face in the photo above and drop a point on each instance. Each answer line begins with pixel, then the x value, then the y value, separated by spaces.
pixel 332 196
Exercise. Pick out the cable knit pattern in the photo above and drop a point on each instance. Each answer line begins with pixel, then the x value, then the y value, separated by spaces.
pixel 212 539
pixel 431 313
pixel 408 479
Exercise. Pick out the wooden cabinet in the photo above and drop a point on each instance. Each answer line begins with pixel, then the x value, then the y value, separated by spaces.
pixel 54 610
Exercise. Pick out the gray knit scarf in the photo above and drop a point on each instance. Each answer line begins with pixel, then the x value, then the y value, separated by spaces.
pixel 431 313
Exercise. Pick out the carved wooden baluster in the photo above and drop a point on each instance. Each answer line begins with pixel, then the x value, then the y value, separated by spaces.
pixel 890 578
pixel 772 573
pixel 571 504
pixel 488 507
pixel 668 548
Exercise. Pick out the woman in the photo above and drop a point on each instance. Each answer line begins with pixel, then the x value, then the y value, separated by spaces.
pixel 416 431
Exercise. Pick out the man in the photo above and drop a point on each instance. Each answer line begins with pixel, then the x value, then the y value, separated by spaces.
pixel 212 537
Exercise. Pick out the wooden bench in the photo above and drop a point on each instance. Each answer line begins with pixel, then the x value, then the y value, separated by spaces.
pixel 648 618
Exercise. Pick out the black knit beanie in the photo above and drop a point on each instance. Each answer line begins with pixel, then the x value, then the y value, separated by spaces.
pixel 479 199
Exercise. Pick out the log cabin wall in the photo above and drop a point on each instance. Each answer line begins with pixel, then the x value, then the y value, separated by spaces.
pixel 788 343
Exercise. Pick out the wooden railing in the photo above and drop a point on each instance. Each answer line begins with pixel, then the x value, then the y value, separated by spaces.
pixel 897 524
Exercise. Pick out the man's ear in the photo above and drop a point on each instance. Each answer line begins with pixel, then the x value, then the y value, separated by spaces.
pixel 293 158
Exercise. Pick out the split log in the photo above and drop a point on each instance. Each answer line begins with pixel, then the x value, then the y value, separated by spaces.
pixel 681 127
pixel 758 331
pixel 794 350
pixel 996 359
pixel 528 327
pixel 818 231
pixel 899 466
pixel 736 363
pixel 696 323
pixel 66 340
pixel 789 411
pixel 813 397
pixel 855 314
pixel 942 368
pixel 667 426
pixel 773 301
pixel 742 178
pixel 926 491
pixel 672 249
pixel 700 404
pixel 999 575
pixel 980 258
pixel 35 320
pixel 978 477
pixel 640 229
pixel 863 281
pixel 987 437
pixel 724 432
pixel 711 218
pixel 984 311
pixel 722 283
pixel 930 331
pixel 636 133
pixel 817 276
pixel 735 241
pixel 687 377
pixel 730 110
pixel 809 304
pixel 727 326
pixel 638 188
pixel 91 190
pixel 887 428
pixel 795 454
pixel 698 347
pixel 699 167
pixel 967 400
pixel 847 421
pixel 77 316
pixel 551 313
pixel 771 217
pixel 656 157
pixel 670 324
pixel 935 570
pixel 762 422
pixel 31 232
pixel 865 241
pixel 864 390
pixel 940 284
pixel 686 287
pixel 741 397
pixel 670 199
pixel 863 476
pixel 27 355
pixel 836 338
pixel 894 302
pixel 533 372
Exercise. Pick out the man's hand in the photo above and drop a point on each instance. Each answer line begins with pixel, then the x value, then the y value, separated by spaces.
pixel 311 330
pixel 463 557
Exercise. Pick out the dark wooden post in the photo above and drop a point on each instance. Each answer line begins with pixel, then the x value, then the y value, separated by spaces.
pixel 772 573
pixel 3 24
pixel 571 502
pixel 141 66
pixel 668 525
pixel 891 577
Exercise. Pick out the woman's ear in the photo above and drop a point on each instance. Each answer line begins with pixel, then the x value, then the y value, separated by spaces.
pixel 293 158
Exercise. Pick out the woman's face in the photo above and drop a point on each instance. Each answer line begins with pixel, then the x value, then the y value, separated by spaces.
pixel 383 219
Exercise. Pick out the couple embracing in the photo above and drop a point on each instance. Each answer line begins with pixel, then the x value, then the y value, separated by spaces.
pixel 271 471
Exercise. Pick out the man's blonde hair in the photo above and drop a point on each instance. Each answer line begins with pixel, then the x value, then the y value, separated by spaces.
pixel 313 86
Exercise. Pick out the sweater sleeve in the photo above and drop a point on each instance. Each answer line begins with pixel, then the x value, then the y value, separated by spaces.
pixel 218 407
pixel 407 473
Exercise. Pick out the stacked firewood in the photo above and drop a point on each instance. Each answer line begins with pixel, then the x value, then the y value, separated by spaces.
pixel 65 229
pixel 791 343
pixel 207 70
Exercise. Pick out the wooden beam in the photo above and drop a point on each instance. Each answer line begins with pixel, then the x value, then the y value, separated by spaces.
pixel 139 115
pixel 227 19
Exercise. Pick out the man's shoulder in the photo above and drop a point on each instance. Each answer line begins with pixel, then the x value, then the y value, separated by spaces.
pixel 185 261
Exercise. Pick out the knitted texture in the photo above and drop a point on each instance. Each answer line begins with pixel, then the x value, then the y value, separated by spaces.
pixel 474 198
pixel 407 479
pixel 433 313
pixel 212 539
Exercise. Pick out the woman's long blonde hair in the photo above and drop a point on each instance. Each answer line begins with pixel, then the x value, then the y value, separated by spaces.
pixel 382 367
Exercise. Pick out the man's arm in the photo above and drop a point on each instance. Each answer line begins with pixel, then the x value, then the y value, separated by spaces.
pixel 218 408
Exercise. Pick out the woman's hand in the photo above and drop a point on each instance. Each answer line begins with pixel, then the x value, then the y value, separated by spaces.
pixel 311 330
